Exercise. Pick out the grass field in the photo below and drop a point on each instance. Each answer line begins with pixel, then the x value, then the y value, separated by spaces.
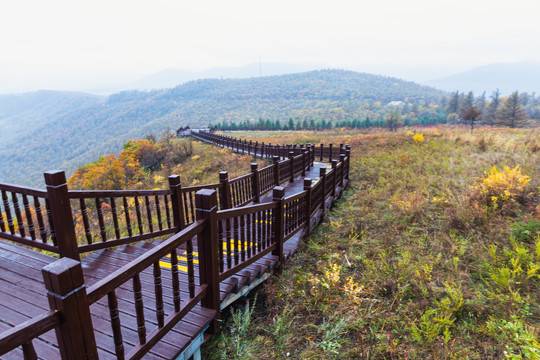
pixel 431 253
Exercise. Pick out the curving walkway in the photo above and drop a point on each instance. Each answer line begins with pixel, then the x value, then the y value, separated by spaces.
pixel 254 240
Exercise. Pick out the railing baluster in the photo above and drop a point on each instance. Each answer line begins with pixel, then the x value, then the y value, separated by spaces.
pixel 29 353
pixel 167 211
pixel 230 239
pixel 248 233
pixel 243 237
pixel 187 213
pixel 149 214
pixel 115 218
pixel 139 217
pixel 2 223
pixel 100 220
pixel 191 269
pixel 28 215
pixel 115 324
pixel 221 236
pixel 236 243
pixel 139 308
pixel 192 206
pixel 86 224
pixel 128 219
pixel 158 290
pixel 41 224
pixel 158 212
pixel 7 210
pixel 175 280
pixel 18 216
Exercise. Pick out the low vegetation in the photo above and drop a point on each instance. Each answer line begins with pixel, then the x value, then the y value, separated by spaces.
pixel 432 252
pixel 147 163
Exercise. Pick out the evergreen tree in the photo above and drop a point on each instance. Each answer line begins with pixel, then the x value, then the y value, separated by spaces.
pixel 453 103
pixel 493 107
pixel 481 105
pixel 511 113
pixel 291 123
pixel 468 101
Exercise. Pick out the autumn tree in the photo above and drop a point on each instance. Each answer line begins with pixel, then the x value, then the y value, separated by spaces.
pixel 392 120
pixel 511 113
pixel 471 115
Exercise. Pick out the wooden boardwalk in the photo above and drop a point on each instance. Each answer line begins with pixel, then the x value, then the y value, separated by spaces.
pixel 23 295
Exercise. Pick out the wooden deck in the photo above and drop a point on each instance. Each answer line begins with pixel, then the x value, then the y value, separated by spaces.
pixel 23 296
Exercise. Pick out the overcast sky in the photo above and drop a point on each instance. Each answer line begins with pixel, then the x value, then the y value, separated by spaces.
pixel 55 44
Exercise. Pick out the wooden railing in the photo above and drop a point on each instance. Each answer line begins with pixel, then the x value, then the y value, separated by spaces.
pixel 230 228
pixel 27 217
pixel 147 281
pixel 320 152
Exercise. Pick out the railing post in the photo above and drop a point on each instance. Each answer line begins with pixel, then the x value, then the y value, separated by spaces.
pixel 307 187
pixel 67 294
pixel 334 178
pixel 342 160
pixel 291 159
pixel 176 202
pixel 275 161
pixel 57 194
pixel 330 152
pixel 255 184
pixel 341 151
pixel 256 147
pixel 208 246
pixel 226 200
pixel 304 155
pixel 322 176
pixel 278 195
pixel 348 153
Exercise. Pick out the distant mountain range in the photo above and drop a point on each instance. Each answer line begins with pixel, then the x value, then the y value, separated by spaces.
pixel 20 114
pixel 83 127
pixel 507 77
pixel 169 78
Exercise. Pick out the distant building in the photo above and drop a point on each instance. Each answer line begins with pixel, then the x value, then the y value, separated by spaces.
pixel 183 131
pixel 396 103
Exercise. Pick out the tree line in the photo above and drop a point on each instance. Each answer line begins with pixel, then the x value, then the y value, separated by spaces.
pixel 513 111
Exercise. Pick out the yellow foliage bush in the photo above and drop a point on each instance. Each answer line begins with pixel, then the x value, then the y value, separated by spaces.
pixel 499 186
pixel 418 137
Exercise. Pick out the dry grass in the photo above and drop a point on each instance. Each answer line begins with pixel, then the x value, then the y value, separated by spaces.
pixel 409 265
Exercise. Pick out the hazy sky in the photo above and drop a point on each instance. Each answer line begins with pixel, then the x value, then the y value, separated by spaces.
pixel 52 44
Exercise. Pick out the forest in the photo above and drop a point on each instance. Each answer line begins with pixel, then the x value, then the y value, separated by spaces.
pixel 83 128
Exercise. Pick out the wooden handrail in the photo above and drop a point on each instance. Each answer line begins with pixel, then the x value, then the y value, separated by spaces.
pixel 27 331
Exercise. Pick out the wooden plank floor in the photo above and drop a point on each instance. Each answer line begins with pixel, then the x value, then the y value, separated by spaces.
pixel 22 294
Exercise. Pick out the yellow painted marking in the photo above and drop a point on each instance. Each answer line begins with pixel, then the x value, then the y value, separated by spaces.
pixel 168 265
pixel 232 241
